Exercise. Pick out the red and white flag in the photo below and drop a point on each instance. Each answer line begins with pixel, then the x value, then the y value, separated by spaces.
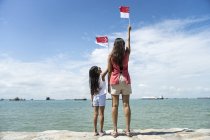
pixel 124 12
pixel 102 41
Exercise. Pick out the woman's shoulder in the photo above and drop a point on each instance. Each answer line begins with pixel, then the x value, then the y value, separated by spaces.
pixel 109 57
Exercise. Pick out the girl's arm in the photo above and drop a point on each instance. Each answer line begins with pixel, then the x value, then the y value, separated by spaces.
pixel 128 41
pixel 104 74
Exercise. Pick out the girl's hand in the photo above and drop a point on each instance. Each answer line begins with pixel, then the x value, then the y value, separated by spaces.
pixel 103 77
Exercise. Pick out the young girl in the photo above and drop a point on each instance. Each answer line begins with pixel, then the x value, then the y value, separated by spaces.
pixel 98 97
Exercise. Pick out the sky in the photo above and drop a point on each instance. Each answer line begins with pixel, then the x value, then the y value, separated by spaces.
pixel 48 46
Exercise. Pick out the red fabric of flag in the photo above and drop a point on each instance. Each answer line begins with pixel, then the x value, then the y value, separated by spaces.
pixel 102 39
pixel 124 9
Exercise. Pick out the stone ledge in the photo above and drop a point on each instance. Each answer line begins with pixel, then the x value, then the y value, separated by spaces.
pixel 143 134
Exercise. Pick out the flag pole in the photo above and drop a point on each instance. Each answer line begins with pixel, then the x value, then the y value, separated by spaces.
pixel 129 20
pixel 108 47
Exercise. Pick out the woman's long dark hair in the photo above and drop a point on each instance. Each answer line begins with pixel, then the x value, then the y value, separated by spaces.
pixel 94 80
pixel 118 51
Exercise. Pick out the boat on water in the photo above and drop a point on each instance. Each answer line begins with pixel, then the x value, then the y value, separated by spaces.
pixel 160 98
pixel 17 99
pixel 148 98
pixel 80 99
pixel 152 98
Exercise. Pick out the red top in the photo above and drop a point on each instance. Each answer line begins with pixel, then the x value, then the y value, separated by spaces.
pixel 114 79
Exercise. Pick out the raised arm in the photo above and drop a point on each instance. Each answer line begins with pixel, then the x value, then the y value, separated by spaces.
pixel 104 74
pixel 128 41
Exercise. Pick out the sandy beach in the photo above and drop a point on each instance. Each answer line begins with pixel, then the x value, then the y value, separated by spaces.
pixel 146 134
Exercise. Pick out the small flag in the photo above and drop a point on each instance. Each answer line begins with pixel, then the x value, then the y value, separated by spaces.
pixel 124 12
pixel 102 41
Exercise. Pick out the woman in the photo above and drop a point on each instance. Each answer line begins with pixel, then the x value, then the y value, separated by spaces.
pixel 119 81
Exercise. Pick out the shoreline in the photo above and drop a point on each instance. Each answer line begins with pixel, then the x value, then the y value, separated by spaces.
pixel 145 134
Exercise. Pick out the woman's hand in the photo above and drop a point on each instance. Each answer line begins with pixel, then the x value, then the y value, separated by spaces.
pixel 129 28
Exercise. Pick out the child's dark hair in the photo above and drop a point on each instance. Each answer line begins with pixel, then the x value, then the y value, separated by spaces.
pixel 94 80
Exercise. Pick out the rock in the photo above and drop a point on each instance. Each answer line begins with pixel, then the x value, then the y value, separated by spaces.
pixel 146 134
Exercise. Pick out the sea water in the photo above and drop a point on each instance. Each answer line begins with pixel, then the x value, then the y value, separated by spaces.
pixel 78 115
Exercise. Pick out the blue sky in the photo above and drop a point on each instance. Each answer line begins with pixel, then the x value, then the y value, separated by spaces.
pixel 44 43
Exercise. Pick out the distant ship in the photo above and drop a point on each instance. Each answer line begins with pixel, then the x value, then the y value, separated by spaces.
pixel 160 98
pixel 148 98
pixel 17 99
pixel 79 99
pixel 153 98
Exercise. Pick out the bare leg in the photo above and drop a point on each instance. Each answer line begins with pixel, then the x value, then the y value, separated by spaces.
pixel 115 103
pixel 95 118
pixel 101 112
pixel 127 111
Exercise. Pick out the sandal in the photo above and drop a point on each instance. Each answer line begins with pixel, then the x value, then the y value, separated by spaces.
pixel 128 133
pixel 114 134
pixel 102 133
pixel 96 134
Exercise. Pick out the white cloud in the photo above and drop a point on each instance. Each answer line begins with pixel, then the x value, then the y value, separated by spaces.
pixel 171 54
pixel 58 79
pixel 169 58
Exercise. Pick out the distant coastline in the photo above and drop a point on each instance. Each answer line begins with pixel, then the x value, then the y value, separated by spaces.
pixel 203 98
pixel 84 99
